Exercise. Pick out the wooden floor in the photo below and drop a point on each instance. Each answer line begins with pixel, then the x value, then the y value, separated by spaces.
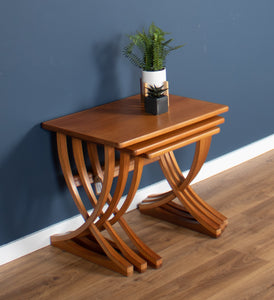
pixel 238 265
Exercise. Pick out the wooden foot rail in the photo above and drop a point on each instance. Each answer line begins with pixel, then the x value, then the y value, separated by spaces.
pixel 193 212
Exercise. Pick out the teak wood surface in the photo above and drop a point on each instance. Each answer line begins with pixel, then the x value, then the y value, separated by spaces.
pixel 140 138
pixel 124 122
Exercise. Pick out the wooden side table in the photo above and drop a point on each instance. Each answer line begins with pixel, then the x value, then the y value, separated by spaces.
pixel 140 139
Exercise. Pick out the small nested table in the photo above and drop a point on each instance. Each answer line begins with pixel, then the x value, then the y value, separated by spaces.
pixel 140 139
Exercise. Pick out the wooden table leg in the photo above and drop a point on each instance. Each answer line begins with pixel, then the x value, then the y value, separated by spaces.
pixel 191 211
pixel 150 256
pixel 87 241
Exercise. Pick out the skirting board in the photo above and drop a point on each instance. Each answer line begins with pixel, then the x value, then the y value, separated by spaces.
pixel 40 239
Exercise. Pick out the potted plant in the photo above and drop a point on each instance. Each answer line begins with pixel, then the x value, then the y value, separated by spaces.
pixel 148 51
pixel 156 102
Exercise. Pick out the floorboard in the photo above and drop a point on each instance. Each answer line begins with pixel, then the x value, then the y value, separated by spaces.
pixel 238 265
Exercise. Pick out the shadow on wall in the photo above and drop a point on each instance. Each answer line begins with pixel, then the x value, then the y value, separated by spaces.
pixel 31 197
pixel 106 57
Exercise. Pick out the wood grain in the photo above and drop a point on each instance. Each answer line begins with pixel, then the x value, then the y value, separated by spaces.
pixel 174 136
pixel 114 123
pixel 238 265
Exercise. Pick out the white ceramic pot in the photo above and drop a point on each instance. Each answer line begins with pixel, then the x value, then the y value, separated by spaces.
pixel 154 77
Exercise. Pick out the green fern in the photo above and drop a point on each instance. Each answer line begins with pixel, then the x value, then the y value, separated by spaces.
pixel 148 50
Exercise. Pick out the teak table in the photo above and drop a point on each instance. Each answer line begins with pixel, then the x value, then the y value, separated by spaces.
pixel 123 126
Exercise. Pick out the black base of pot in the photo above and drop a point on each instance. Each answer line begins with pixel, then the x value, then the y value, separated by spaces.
pixel 156 106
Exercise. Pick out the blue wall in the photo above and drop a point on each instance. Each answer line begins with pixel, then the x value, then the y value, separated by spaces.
pixel 62 56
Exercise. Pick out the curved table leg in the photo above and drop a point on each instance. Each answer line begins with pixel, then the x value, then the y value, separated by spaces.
pixel 87 241
pixel 150 256
pixel 191 212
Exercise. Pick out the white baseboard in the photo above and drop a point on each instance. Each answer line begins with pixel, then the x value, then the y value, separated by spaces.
pixel 40 239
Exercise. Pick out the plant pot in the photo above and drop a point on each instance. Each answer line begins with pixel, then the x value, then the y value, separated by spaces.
pixel 156 106
pixel 154 77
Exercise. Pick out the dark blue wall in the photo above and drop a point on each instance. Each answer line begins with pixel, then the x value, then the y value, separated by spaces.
pixel 58 57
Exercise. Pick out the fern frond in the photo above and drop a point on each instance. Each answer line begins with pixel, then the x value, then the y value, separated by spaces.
pixel 133 58
pixel 152 48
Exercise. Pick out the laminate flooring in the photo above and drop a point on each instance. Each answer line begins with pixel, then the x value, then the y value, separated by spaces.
pixel 238 265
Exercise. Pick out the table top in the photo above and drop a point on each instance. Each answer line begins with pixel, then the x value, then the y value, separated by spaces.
pixel 124 122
